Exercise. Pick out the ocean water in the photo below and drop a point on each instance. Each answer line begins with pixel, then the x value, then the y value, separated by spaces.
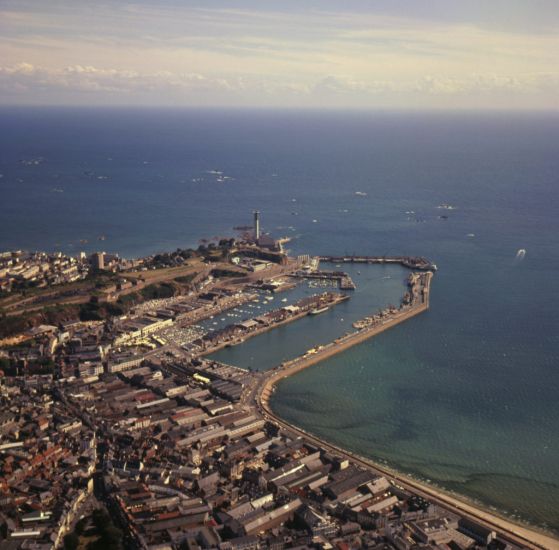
pixel 464 395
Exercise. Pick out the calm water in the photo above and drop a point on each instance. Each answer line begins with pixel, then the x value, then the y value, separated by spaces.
pixel 466 394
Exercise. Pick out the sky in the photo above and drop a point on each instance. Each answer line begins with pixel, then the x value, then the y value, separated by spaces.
pixel 373 54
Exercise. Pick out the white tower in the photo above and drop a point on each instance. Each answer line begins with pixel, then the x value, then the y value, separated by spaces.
pixel 256 225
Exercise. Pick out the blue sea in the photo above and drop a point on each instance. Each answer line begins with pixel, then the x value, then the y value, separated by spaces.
pixel 464 396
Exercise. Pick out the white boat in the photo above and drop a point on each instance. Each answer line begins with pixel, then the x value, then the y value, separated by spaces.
pixel 521 253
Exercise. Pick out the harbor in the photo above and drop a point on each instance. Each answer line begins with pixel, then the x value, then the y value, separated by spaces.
pixel 236 334
pixel 391 319
pixel 377 286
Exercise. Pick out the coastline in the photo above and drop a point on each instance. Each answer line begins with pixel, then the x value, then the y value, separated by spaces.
pixel 517 533
pixel 510 530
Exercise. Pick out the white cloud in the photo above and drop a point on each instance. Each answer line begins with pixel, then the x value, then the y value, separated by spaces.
pixel 488 83
pixel 182 88
pixel 86 78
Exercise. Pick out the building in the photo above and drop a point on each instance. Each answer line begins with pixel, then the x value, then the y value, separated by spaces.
pixel 98 260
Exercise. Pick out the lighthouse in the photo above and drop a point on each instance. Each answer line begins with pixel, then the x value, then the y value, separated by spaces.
pixel 256 225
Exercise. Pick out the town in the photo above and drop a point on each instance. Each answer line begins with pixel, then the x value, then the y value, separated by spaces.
pixel 118 429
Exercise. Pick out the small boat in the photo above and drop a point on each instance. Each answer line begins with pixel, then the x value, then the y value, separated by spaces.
pixel 284 300
pixel 521 253
pixel 318 310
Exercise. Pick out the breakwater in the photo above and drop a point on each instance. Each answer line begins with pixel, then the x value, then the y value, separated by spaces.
pixel 411 262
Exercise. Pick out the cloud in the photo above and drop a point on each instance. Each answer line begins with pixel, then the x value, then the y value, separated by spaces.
pixel 489 84
pixel 277 54
pixel 124 86
pixel 86 78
